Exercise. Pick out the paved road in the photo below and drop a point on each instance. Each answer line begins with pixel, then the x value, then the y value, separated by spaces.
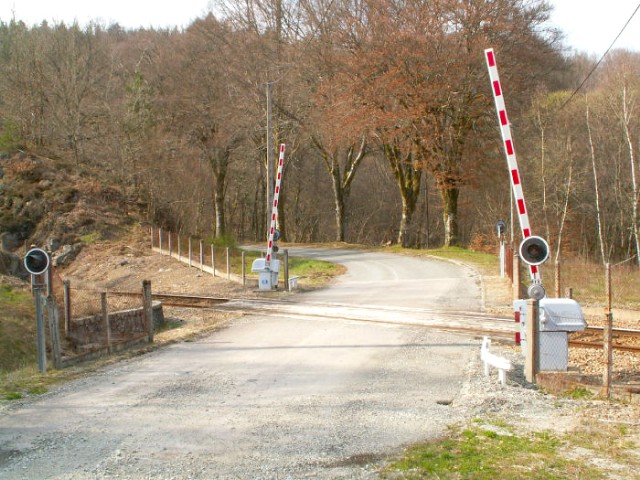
pixel 267 397
pixel 385 279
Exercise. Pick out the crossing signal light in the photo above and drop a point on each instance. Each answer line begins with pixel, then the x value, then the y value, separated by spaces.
pixel 36 261
pixel 534 250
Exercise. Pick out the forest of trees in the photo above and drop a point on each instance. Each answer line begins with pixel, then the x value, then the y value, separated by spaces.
pixel 385 107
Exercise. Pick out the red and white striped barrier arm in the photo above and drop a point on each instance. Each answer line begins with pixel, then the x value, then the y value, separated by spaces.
pixel 274 210
pixel 510 152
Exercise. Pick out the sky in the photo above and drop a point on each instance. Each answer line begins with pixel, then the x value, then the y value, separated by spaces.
pixel 590 25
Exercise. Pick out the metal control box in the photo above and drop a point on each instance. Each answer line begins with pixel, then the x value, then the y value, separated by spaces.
pixel 267 274
pixel 557 317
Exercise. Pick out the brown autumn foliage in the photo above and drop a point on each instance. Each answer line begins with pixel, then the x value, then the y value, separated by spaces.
pixel 384 106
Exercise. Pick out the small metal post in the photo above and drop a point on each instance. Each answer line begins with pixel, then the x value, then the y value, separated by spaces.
pixel 532 360
pixel 201 256
pixel 147 307
pixel 244 269
pixel 502 258
pixel 48 279
pixel 286 270
pixel 105 318
pixel 170 245
pixel 228 263
pixel 67 307
pixel 42 351
pixel 190 250
pixel 54 331
pixel 152 234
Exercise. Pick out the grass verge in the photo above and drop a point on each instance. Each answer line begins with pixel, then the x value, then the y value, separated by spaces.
pixel 486 451
pixel 313 273
pixel 485 263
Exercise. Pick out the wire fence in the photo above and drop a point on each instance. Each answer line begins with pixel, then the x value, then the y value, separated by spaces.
pixel 89 320
pixel 219 260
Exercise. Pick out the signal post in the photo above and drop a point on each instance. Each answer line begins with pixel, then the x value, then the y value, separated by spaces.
pixel 37 263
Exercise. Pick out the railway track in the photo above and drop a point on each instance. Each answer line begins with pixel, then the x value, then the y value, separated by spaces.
pixel 475 323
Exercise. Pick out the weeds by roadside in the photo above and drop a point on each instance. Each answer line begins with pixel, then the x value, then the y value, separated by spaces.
pixel 486 450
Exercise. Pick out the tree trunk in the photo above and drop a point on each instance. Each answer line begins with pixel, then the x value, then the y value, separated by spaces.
pixel 338 198
pixel 219 161
pixel 450 215
pixel 405 222
pixel 567 197
pixel 341 179
pixel 626 121
pixel 592 149
pixel 218 199
pixel 408 175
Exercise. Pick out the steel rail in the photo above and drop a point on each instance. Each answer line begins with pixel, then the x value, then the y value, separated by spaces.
pixel 599 346
pixel 266 303
pixel 623 332
pixel 270 307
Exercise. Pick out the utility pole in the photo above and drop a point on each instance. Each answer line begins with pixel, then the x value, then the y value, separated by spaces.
pixel 270 179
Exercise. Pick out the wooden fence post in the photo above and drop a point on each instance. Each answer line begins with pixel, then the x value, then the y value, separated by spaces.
pixel 147 307
pixel 509 265
pixel 532 360
pixel 558 286
pixel 201 256
pixel 516 277
pixel 608 336
pixel 160 239
pixel 170 244
pixel 54 331
pixel 67 307
pixel 105 319
pixel 190 250
pixel 213 259
pixel 244 269
pixel 152 234
pixel 179 247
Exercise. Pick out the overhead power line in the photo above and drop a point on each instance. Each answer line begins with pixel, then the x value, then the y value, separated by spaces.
pixel 595 67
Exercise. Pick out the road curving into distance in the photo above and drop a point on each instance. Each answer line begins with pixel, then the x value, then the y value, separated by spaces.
pixel 267 397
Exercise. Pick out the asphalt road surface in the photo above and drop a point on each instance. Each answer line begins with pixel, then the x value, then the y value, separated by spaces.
pixel 268 397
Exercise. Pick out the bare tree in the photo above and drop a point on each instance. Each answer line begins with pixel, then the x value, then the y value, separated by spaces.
pixel 596 187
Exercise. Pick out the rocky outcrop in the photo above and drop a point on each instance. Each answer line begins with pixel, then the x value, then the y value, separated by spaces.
pixel 11 264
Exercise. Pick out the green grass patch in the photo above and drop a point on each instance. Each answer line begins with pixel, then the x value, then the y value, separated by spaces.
pixel 17 329
pixel 488 453
pixel 579 393
pixel 13 396
pixel 312 273
pixel 91 238
pixel 38 390
pixel 223 241
pixel 14 299
pixel 486 263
